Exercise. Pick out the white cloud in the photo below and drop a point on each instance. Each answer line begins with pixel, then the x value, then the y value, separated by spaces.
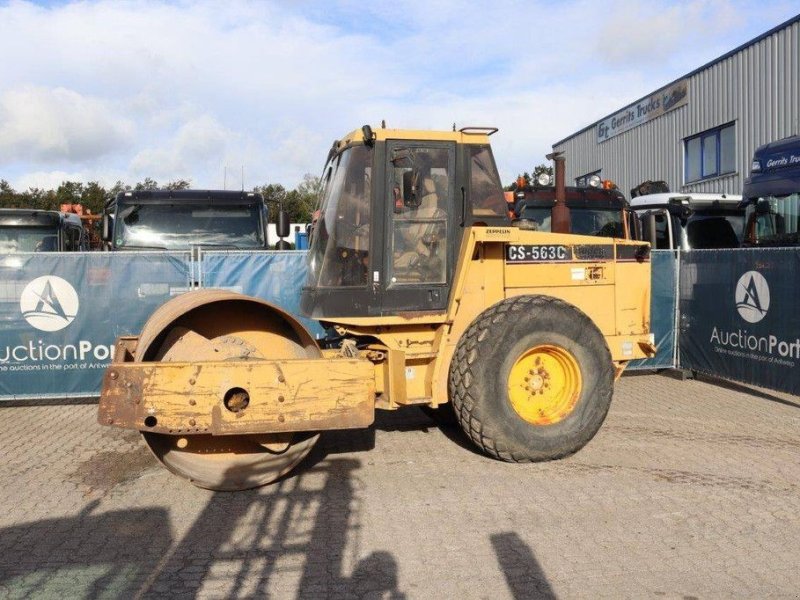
pixel 167 90
pixel 196 142
pixel 41 125
pixel 636 33
pixel 47 180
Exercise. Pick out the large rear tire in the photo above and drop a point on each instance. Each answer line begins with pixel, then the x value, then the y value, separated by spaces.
pixel 531 379
pixel 219 325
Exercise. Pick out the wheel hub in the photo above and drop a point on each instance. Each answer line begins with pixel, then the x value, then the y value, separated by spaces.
pixel 544 384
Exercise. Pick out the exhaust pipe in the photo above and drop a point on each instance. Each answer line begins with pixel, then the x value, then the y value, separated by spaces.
pixel 561 219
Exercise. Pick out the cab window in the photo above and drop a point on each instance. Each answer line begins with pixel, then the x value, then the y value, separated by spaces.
pixel 486 191
pixel 339 253
pixel 421 184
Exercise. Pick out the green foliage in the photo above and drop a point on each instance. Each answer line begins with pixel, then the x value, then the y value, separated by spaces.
pixel 178 184
pixel 537 170
pixel 298 203
pixel 93 197
pixel 542 168
pixel 147 185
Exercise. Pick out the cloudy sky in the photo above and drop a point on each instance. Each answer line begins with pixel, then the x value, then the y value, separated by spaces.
pixel 107 90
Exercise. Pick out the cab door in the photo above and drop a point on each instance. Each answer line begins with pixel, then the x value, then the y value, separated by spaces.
pixel 421 217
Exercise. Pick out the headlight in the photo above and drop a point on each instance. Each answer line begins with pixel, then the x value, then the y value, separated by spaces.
pixel 594 181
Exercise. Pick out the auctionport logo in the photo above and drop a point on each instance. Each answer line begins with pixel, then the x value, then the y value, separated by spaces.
pixel 752 296
pixel 49 303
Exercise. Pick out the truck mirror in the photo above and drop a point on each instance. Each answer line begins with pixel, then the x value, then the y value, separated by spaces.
pixel 106 233
pixel 650 228
pixel 283 224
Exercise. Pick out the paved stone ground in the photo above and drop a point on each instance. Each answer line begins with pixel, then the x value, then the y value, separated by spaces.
pixel 690 490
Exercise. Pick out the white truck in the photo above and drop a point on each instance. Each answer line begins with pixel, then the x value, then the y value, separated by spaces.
pixel 686 221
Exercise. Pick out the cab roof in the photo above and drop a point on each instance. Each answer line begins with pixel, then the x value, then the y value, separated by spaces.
pixel 466 135
pixel 34 216
pixel 187 196
pixel 695 200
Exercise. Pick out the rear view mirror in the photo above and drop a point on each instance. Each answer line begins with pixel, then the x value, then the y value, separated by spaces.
pixel 106 233
pixel 649 226
pixel 283 224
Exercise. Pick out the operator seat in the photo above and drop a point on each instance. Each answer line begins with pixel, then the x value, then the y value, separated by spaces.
pixel 423 230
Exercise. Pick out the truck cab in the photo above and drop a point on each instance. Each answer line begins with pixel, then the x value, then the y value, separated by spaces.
pixel 771 195
pixel 593 211
pixel 31 230
pixel 676 221
pixel 185 219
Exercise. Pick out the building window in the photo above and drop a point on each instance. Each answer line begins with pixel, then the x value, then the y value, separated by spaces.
pixel 710 154
pixel 583 180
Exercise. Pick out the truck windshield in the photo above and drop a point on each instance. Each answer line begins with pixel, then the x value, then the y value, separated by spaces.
pixel 28 239
pixel 181 226
pixel 583 221
pixel 339 249
pixel 774 220
pixel 599 222
pixel 706 230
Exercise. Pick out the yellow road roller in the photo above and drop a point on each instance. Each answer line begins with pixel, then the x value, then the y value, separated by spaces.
pixel 428 293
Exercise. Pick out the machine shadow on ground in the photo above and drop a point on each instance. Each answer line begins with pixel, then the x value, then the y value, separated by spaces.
pixel 111 557
pixel 304 528
pixel 523 574
pixel 299 537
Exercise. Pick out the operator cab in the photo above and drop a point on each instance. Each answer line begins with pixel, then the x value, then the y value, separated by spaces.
pixel 391 215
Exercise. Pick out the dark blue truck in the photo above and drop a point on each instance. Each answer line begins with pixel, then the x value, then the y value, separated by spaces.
pixel 771 195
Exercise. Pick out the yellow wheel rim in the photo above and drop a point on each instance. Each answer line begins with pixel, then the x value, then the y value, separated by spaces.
pixel 544 384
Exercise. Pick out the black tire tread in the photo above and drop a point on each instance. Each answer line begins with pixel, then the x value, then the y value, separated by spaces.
pixel 462 378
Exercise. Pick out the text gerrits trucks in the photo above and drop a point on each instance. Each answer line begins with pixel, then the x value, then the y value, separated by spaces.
pixel 185 219
pixel 771 195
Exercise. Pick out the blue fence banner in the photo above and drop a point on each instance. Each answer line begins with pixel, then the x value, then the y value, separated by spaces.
pixel 61 312
pixel 276 277
pixel 728 313
pixel 738 315
pixel 663 310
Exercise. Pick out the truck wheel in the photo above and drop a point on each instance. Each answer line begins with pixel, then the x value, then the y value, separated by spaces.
pixel 531 379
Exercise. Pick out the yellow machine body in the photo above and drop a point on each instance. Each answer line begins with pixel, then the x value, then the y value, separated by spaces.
pixel 221 385
pixel 409 362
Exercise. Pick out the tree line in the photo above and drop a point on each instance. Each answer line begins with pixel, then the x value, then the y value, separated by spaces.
pixel 299 203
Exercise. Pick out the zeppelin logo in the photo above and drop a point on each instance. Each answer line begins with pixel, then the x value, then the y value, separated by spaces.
pixel 534 254
pixel 496 231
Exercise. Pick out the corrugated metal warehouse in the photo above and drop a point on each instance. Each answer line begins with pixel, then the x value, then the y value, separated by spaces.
pixel 699 132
